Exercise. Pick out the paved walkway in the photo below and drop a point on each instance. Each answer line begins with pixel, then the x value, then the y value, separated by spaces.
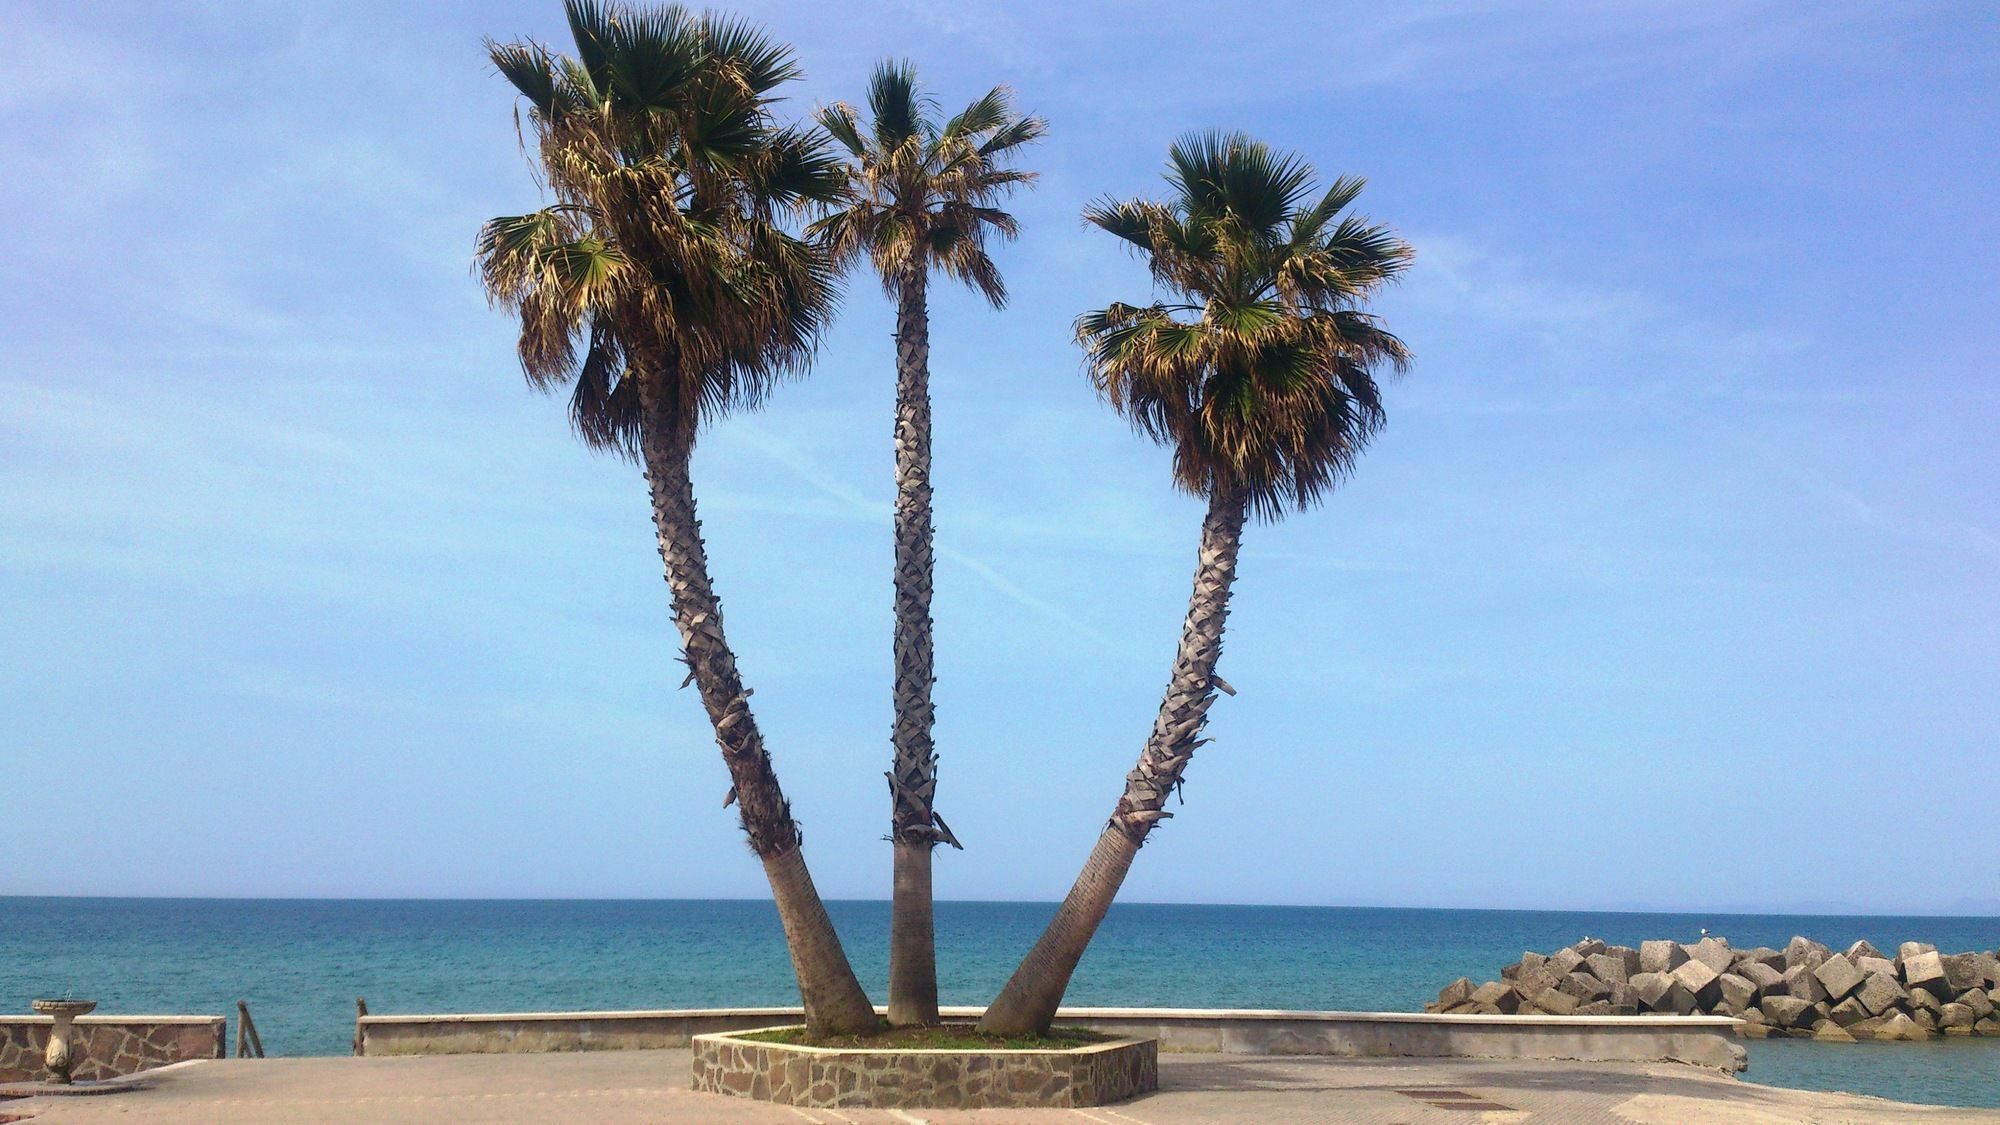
pixel 613 1087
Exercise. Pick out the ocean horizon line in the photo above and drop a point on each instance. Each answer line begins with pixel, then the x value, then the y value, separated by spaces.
pixel 1739 910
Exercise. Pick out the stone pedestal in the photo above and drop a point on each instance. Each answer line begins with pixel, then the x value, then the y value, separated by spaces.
pixel 61 1056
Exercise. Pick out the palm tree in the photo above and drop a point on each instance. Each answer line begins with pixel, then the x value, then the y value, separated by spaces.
pixel 664 289
pixel 1260 376
pixel 922 199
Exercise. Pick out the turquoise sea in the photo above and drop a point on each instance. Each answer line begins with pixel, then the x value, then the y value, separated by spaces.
pixel 300 963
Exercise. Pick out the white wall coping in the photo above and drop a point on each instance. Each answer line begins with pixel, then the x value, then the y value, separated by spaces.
pixel 111 1017
pixel 1446 1019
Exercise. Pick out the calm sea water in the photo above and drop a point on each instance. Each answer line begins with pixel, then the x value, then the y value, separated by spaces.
pixel 301 963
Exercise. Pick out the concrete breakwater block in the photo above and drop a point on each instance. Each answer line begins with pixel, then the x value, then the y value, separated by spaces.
pixel 898 1078
pixel 1806 990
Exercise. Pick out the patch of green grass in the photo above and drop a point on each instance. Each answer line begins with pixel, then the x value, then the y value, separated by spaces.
pixel 950 1037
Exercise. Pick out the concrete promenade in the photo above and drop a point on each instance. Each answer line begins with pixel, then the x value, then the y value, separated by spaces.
pixel 614 1087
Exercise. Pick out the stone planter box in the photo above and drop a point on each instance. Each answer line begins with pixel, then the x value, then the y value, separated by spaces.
pixel 833 1078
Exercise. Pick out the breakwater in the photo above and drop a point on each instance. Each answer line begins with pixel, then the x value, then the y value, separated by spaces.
pixel 1805 990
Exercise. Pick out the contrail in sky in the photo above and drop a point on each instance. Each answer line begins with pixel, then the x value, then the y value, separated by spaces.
pixel 789 455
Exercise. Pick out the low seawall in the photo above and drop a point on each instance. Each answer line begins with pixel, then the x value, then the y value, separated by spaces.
pixel 110 1046
pixel 1707 1042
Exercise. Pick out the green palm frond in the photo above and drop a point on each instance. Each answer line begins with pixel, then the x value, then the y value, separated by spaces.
pixel 840 123
pixel 897 105
pixel 591 29
pixel 987 112
pixel 1262 377
pixel 1010 136
pixel 528 68
pixel 668 273
pixel 760 62
pixel 923 196
pixel 651 56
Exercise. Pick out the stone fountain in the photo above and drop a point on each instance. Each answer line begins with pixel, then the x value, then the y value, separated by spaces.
pixel 61 1054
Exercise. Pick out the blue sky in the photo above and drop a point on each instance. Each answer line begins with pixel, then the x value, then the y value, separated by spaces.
pixel 1673 582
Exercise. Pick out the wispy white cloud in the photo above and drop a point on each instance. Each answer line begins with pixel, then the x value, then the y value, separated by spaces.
pixel 1875 515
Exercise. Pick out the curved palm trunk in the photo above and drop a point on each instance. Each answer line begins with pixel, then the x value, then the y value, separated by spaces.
pixel 914 826
pixel 1028 1003
pixel 833 998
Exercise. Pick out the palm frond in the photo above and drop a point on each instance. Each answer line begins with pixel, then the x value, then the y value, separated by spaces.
pixel 1262 378
pixel 1013 135
pixel 896 103
pixel 987 112
pixel 527 67
pixel 840 123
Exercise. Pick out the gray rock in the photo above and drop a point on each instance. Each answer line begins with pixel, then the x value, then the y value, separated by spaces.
pixel 1839 976
pixel 1766 978
pixel 1964 971
pixel 1625 996
pixel 1872 965
pixel 1737 992
pixel 1862 949
pixel 1761 955
pixel 1784 1011
pixel 1901 1027
pixel 1661 956
pixel 1596 1008
pixel 1534 980
pixel 1988 1026
pixel 1589 947
pixel 1565 962
pixel 1457 992
pixel 1925 970
pixel 1627 955
pixel 1556 1002
pixel 1801 983
pixel 1923 999
pixel 1956 1015
pixel 1607 968
pixel 1498 994
pixel 1992 969
pixel 1700 980
pixel 1533 960
pixel 1805 951
pixel 1713 952
pixel 1979 1001
pixel 1911 949
pixel 1867 1028
pixel 1660 992
pixel 1848 1012
pixel 1584 987
pixel 1650 987
pixel 1879 993
pixel 1925 1019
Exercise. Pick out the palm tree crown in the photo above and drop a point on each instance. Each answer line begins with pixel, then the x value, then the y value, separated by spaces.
pixel 923 194
pixel 1261 375
pixel 665 260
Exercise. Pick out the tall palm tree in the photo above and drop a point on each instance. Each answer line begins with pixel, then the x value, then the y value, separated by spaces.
pixel 1260 374
pixel 922 198
pixel 664 289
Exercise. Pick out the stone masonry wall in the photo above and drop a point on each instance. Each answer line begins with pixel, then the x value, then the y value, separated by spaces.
pixel 1805 990
pixel 108 1046
pixel 890 1079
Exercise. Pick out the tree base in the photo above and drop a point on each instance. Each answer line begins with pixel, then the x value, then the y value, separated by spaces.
pixel 742 1064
